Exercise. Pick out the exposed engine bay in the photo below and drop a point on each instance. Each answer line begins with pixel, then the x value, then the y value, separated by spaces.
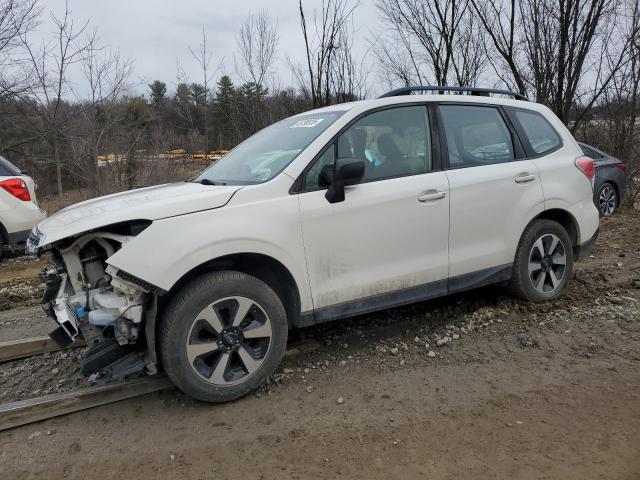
pixel 91 299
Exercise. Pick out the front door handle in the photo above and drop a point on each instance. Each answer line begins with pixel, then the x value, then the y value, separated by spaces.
pixel 431 195
pixel 524 178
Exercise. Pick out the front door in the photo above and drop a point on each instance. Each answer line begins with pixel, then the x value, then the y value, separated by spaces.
pixel 387 242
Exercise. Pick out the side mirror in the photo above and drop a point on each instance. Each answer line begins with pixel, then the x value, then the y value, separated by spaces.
pixel 348 171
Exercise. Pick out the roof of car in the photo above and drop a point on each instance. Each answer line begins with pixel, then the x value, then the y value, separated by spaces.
pixel 453 98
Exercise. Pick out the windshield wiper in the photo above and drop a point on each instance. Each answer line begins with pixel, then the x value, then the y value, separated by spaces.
pixel 206 181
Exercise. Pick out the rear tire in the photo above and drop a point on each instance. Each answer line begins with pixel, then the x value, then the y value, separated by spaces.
pixel 222 335
pixel 543 263
pixel 607 199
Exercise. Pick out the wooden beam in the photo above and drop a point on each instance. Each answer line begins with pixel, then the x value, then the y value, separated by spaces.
pixel 40 408
pixel 32 410
pixel 15 349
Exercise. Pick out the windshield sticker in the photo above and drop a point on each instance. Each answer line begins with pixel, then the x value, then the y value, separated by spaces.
pixel 307 123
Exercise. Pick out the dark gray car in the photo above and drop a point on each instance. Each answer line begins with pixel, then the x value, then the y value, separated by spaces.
pixel 609 185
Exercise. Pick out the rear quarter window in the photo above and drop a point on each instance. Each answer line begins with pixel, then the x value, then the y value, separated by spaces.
pixel 538 132
pixel 590 152
pixel 8 169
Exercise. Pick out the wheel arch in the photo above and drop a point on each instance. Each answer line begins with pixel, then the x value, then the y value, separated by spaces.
pixel 264 267
pixel 564 218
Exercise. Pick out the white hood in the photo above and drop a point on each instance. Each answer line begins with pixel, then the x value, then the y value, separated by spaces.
pixel 151 203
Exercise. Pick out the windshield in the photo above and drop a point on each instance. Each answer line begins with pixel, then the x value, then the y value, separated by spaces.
pixel 264 155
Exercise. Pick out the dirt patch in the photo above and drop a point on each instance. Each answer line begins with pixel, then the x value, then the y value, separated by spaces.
pixel 478 385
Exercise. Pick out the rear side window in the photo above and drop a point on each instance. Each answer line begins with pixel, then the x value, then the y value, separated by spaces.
pixel 476 136
pixel 538 131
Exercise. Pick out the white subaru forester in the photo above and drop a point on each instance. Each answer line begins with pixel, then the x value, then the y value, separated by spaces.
pixel 328 214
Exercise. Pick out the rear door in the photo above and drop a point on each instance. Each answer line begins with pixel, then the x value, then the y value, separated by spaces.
pixel 387 242
pixel 494 192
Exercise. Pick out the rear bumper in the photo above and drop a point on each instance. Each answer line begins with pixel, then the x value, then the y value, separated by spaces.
pixel 18 240
pixel 584 250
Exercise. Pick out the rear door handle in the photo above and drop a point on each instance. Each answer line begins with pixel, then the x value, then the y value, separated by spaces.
pixel 431 195
pixel 524 178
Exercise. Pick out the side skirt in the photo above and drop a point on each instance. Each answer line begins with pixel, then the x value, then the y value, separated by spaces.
pixel 406 296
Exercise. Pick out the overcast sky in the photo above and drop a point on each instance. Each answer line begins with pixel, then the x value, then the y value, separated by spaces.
pixel 157 33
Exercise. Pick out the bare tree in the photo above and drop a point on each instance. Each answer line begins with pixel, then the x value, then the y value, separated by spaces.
pixel 17 18
pixel 257 44
pixel 321 47
pixel 618 111
pixel 106 76
pixel 47 66
pixel 347 76
pixel 559 52
pixel 397 60
pixel 430 41
pixel 204 57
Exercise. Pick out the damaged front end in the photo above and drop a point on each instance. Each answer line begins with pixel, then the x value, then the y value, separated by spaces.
pixel 114 312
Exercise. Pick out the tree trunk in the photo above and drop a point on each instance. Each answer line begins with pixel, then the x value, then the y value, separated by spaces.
pixel 58 171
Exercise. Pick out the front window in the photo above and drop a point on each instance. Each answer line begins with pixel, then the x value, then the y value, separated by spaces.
pixel 265 154
pixel 393 142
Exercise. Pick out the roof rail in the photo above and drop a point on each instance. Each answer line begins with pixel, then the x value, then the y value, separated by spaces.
pixel 472 90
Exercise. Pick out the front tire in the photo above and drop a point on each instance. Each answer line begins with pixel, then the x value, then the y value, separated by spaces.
pixel 222 335
pixel 543 263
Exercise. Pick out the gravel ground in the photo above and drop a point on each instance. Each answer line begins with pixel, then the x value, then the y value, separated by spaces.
pixel 25 322
pixel 477 385
pixel 19 283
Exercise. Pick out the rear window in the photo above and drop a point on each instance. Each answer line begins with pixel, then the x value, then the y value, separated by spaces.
pixel 538 131
pixel 8 169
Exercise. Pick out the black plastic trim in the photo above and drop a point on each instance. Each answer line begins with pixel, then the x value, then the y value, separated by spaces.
pixel 436 137
pixel 17 240
pixel 419 293
pixel 382 301
pixel 305 319
pixel 481 278
pixel 583 251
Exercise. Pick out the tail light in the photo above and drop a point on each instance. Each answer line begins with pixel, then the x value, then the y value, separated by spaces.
pixel 587 166
pixel 621 167
pixel 17 188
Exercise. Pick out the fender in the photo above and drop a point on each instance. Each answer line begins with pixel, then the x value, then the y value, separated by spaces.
pixel 170 248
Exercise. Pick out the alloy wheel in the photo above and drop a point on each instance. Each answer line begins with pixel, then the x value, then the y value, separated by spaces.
pixel 547 263
pixel 607 200
pixel 229 340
